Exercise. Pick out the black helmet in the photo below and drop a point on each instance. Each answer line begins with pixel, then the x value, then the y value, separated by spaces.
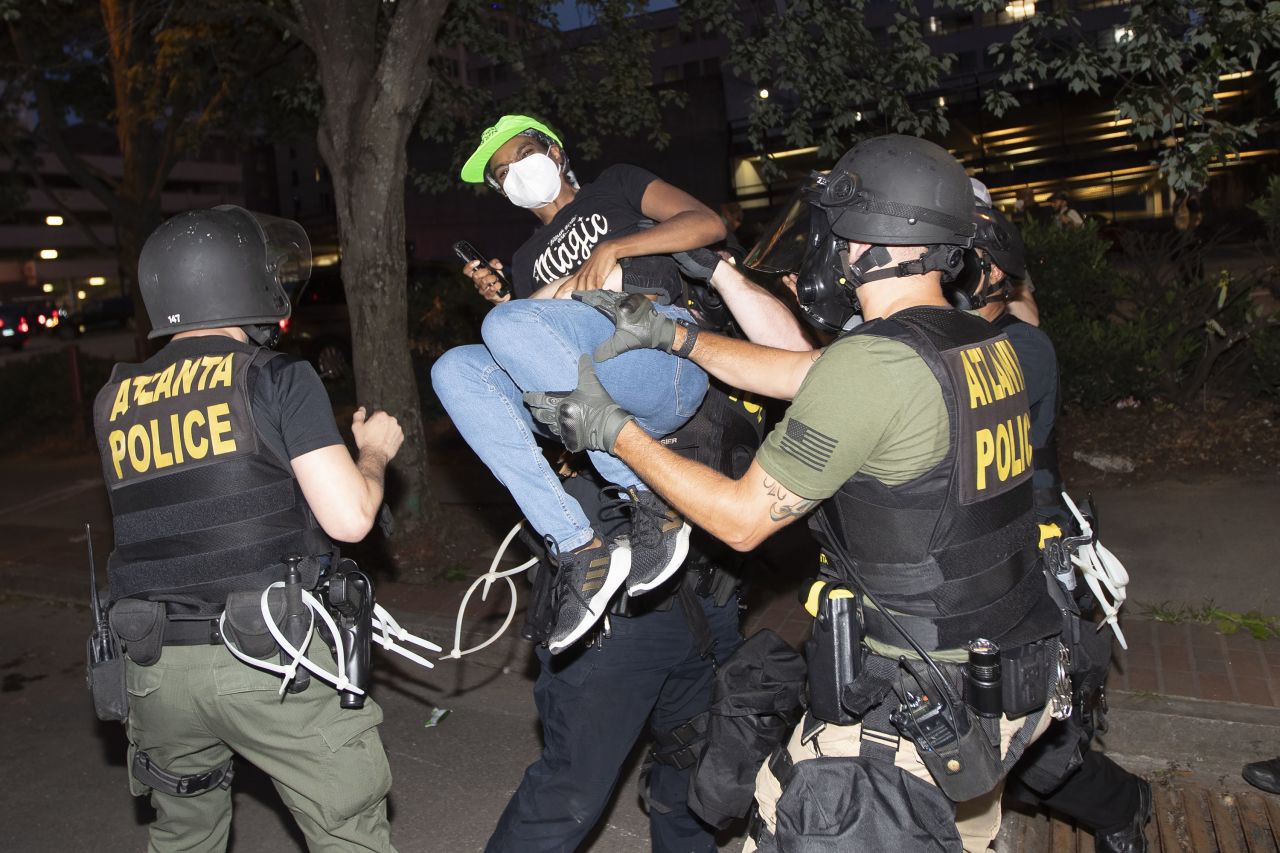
pixel 900 191
pixel 999 238
pixel 205 269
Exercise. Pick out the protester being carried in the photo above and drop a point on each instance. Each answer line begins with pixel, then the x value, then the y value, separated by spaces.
pixel 592 236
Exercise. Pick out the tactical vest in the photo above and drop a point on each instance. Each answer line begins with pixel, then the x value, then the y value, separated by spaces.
pixel 1046 477
pixel 201 506
pixel 953 552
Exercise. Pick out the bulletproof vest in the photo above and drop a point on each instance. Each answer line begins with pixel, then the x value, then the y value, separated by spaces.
pixel 953 552
pixel 1047 494
pixel 201 506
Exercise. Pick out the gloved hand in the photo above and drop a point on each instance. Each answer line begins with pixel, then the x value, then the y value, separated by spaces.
pixel 640 326
pixel 698 264
pixel 584 419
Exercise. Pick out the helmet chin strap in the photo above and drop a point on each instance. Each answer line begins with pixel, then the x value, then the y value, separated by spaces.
pixel 264 335
pixel 947 259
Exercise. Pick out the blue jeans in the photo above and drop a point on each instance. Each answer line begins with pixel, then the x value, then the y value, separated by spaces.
pixel 594 704
pixel 534 345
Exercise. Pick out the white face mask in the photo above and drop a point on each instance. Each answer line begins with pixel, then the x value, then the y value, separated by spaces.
pixel 532 182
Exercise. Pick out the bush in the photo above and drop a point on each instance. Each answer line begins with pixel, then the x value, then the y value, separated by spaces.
pixel 38 402
pixel 1103 345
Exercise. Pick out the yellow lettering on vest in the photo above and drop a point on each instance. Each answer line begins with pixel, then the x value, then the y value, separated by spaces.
pixel 197 448
pixel 115 441
pixel 1004 445
pixel 209 362
pixel 121 405
pixel 162 458
pixel 139 448
pixel 1012 369
pixel 975 356
pixel 186 375
pixel 219 428
pixel 986 453
pixel 1019 460
pixel 164 384
pixel 175 432
pixel 997 387
pixel 1026 437
pixel 1003 382
pixel 222 373
pixel 976 396
pixel 141 395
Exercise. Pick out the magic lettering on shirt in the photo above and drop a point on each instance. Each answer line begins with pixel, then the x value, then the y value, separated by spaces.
pixel 570 247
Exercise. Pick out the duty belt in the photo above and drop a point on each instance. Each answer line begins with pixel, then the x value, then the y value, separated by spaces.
pixel 192 631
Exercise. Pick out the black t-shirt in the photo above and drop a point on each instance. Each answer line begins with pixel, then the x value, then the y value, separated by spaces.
pixel 291 409
pixel 606 208
pixel 1040 367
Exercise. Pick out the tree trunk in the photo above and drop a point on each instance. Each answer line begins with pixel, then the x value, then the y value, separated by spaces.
pixel 370 203
pixel 374 73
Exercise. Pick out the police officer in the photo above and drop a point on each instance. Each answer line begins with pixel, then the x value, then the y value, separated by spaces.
pixel 911 435
pixel 224 468
pixel 1059 770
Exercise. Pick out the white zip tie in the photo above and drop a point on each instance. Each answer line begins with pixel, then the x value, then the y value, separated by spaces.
pixel 1100 568
pixel 487 579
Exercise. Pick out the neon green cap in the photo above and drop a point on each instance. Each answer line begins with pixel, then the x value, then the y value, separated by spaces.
pixel 494 138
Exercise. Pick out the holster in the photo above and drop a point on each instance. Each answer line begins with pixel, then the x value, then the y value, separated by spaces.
pixel 140 625
pixel 971 766
pixel 1025 676
pixel 245 625
pixel 833 654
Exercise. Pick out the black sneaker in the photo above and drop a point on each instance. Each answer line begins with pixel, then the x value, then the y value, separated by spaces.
pixel 659 541
pixel 1132 837
pixel 585 581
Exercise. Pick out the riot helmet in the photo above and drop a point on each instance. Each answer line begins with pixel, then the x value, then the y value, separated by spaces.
pixel 1002 247
pixel 225 266
pixel 888 191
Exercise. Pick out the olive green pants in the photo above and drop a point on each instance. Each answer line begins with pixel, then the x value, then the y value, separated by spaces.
pixel 197 705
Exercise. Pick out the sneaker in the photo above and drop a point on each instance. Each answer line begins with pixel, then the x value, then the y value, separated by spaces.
pixel 659 541
pixel 585 581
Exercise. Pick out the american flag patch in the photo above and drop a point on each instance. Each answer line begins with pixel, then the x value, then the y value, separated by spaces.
pixel 807 445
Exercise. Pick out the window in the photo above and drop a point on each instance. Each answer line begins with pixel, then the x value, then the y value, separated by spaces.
pixel 711 66
pixel 691 69
pixel 671 74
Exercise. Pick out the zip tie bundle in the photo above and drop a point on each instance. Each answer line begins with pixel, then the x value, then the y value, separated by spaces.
pixel 298 657
pixel 391 631
pixel 1100 568
pixel 487 579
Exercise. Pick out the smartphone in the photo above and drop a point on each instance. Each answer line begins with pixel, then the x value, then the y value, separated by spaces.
pixel 468 253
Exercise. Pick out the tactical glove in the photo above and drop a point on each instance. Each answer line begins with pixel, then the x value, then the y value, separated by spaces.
pixel 584 419
pixel 640 326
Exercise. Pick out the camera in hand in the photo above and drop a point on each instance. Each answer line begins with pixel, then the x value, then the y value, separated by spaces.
pixel 468 253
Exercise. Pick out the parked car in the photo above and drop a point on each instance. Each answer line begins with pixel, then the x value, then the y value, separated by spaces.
pixel 111 312
pixel 15 327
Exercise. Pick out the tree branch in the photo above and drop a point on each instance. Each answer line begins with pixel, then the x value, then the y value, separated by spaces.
pixel 50 128
pixel 282 21
pixel 33 169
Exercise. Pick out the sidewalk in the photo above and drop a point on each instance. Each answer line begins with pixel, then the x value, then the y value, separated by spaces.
pixel 1189 706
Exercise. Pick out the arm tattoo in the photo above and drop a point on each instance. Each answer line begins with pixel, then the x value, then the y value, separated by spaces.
pixel 786 505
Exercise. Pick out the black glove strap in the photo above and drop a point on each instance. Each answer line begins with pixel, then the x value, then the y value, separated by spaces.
pixel 690 338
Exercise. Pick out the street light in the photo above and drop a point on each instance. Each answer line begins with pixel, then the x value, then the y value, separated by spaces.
pixel 53 219
pixel 48 254
pixel 763 94
pixel 80 294
pixel 47 287
pixel 97 281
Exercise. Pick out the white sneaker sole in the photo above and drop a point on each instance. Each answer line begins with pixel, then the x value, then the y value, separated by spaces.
pixel 619 568
pixel 677 560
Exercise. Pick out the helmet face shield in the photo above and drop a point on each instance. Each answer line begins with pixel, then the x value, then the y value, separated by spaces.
pixel 288 250
pixel 799 225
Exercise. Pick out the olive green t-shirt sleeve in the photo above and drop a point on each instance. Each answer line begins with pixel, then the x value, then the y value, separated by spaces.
pixel 869 404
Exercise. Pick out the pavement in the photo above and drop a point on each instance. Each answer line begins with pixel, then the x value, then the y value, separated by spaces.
pixel 1189 705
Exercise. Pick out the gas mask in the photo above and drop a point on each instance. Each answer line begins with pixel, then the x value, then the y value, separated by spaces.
pixel 799 240
pixel 532 182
